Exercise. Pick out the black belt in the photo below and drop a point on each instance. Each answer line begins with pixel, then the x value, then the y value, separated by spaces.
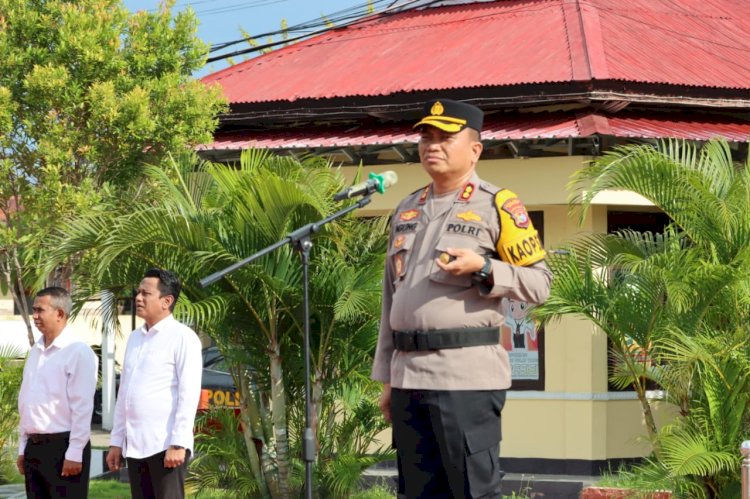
pixel 436 339
pixel 45 438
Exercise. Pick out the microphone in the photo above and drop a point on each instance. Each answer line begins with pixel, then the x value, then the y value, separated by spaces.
pixel 374 183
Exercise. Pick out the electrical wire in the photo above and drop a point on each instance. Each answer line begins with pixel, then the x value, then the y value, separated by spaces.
pixel 354 12
pixel 357 20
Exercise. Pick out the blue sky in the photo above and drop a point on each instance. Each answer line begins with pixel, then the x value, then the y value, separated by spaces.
pixel 221 20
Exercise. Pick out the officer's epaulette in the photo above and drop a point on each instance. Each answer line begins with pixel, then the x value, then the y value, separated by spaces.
pixel 486 186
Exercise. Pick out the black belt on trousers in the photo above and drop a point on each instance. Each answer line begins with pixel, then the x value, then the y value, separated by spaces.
pixel 45 438
pixel 436 339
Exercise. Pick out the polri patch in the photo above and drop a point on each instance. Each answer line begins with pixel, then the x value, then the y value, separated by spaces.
pixel 465 229
pixel 517 211
pixel 399 241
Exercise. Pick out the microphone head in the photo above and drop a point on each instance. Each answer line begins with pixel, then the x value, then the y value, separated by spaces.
pixel 389 178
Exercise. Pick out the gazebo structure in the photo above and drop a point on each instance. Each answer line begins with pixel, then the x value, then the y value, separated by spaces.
pixel 560 81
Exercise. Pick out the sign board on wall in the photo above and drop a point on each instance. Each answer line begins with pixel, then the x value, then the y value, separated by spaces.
pixel 522 337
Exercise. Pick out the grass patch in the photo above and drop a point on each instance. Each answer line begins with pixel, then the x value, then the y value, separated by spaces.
pixel 109 489
pixel 112 489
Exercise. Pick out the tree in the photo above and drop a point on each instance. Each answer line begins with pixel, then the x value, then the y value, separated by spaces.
pixel 212 216
pixel 681 298
pixel 88 94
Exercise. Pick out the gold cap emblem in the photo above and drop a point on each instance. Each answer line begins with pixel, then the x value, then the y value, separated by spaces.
pixel 437 109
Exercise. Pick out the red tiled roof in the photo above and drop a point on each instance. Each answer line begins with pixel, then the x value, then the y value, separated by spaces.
pixel 701 43
pixel 518 127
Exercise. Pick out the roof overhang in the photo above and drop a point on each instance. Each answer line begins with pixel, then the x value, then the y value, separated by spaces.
pixel 691 126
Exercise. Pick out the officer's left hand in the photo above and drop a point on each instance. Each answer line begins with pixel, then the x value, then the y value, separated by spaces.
pixel 71 468
pixel 465 261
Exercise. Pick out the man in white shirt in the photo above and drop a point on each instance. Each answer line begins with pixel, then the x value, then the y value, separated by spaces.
pixel 159 392
pixel 55 404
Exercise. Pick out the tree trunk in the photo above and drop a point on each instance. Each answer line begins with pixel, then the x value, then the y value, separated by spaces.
pixel 250 431
pixel 278 414
pixel 648 416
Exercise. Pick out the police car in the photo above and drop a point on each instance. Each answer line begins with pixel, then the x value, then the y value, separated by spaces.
pixel 217 387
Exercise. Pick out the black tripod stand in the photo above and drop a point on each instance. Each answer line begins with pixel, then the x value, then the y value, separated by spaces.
pixel 301 240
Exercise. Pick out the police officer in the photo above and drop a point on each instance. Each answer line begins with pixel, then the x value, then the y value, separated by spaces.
pixel 456 248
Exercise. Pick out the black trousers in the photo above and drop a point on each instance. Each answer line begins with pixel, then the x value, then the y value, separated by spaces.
pixel 43 463
pixel 149 479
pixel 447 443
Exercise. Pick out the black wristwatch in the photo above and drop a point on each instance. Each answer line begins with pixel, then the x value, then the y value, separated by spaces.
pixel 485 272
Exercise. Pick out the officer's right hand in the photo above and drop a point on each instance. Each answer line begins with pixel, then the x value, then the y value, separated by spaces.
pixel 385 402
pixel 114 458
pixel 19 465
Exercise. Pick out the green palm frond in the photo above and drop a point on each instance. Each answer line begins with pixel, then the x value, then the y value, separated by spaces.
pixel 700 189
pixel 688 453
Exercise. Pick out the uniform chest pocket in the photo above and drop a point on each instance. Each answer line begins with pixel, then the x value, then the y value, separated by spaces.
pixel 399 254
pixel 452 241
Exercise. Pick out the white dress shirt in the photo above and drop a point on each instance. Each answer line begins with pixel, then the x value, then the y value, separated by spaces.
pixel 160 387
pixel 57 392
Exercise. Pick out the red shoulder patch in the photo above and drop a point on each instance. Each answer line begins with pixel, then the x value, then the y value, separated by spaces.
pixel 517 211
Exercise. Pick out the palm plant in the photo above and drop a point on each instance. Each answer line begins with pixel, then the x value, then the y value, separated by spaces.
pixel 11 371
pixel 209 217
pixel 681 298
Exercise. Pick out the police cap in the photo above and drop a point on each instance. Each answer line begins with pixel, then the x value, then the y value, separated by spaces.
pixel 451 115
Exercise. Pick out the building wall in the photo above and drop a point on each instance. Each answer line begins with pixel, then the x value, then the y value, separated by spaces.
pixel 85 326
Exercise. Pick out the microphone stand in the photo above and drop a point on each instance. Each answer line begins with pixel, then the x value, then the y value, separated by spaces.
pixel 302 242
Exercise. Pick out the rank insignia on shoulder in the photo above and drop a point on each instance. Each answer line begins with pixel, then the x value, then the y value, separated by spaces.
pixel 408 215
pixel 467 192
pixel 399 241
pixel 515 208
pixel 469 216
pixel 425 193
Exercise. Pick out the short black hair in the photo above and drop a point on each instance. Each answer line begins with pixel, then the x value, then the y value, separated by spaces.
pixel 59 298
pixel 169 283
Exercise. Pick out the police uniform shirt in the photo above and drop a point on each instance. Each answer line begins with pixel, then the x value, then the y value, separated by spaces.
pixel 419 296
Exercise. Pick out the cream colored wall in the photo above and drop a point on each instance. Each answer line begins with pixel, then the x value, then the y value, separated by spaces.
pixel 538 182
pixel 86 327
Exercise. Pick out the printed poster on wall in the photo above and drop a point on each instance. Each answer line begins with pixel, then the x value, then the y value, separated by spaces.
pixel 522 337
pixel 523 341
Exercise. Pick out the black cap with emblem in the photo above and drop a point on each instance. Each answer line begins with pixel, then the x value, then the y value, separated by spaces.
pixel 451 115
